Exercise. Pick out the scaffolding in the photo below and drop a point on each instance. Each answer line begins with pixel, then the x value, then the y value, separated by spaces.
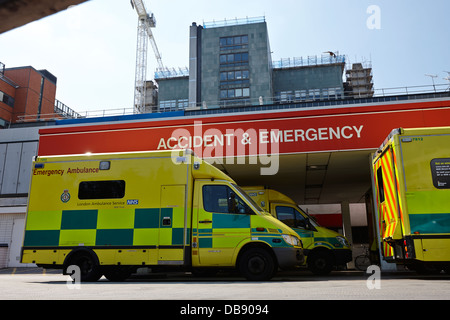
pixel 233 22
pixel 167 73
pixel 359 80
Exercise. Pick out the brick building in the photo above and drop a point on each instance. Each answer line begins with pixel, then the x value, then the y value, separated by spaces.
pixel 26 94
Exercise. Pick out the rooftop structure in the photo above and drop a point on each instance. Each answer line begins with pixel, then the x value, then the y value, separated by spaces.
pixel 359 81
pixel 231 65
pixel 27 94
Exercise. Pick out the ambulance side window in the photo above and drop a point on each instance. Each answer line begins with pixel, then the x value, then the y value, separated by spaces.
pixel 380 185
pixel 112 189
pixel 222 199
pixel 291 217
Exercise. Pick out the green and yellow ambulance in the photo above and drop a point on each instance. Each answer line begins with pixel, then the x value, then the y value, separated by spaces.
pixel 411 180
pixel 110 214
pixel 324 249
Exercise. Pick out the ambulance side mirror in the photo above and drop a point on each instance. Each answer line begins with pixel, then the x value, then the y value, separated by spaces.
pixel 232 203
pixel 308 225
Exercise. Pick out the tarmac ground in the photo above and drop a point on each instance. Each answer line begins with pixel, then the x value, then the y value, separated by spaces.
pixel 49 284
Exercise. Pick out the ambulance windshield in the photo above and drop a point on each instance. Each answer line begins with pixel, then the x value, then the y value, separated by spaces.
pixel 243 194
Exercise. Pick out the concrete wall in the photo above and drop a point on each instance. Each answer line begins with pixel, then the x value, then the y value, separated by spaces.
pixel 310 77
pixel 173 89
pixel 17 149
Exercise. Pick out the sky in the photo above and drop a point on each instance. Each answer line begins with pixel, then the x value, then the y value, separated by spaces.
pixel 91 47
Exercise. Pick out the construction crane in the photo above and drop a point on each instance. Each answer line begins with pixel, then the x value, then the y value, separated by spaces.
pixel 144 34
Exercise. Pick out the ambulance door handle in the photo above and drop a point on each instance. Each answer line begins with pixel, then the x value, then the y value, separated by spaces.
pixel 167 221
pixel 205 221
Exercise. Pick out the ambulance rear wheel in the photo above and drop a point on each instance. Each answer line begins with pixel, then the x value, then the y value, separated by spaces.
pixel 88 264
pixel 257 264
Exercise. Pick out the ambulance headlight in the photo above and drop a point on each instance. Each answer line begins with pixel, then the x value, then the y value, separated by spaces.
pixel 342 241
pixel 293 241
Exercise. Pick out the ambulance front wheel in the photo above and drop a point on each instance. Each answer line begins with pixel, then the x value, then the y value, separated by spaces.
pixel 320 262
pixel 257 264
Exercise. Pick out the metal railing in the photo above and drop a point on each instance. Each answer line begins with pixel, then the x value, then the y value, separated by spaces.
pixel 64 111
pixel 380 95
pixel 168 73
pixel 233 22
pixel 273 103
pixel 347 97
pixel 308 61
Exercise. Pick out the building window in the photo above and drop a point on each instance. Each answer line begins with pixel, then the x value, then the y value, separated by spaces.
pixel 285 96
pixel 234 59
pixel 233 43
pixel 309 95
pixel 300 95
pixel 173 105
pixel 6 99
pixel 314 94
pixel 168 105
pixel 183 104
pixel 334 93
pixel 237 77
pixel 234 93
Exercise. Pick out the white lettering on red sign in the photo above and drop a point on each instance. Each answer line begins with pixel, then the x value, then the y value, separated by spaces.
pixel 215 138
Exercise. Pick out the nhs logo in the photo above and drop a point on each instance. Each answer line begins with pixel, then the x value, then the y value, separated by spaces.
pixel 132 202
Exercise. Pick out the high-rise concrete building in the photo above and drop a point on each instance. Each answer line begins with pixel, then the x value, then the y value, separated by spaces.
pixel 230 64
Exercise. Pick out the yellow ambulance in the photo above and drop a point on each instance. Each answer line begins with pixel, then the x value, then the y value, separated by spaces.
pixel 324 249
pixel 110 214
pixel 411 180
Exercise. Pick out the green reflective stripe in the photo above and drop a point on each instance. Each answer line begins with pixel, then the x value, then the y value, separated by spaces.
pixel 41 238
pixel 107 227
pixel 324 244
pixel 146 218
pixel 114 237
pixel 304 233
pixel 274 241
pixel 177 236
pixel 79 219
pixel 205 243
pixel 222 221
pixel 430 223
pixel 330 243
